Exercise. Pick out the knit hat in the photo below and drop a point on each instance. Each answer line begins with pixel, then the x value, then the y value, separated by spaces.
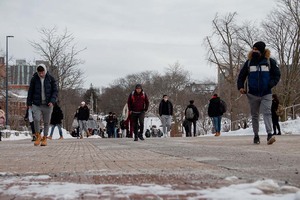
pixel 260 46
pixel 138 86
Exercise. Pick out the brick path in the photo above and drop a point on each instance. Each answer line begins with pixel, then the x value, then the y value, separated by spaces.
pixel 183 163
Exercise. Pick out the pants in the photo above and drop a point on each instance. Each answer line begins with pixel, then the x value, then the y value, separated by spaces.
pixel 275 121
pixel 38 112
pixel 190 123
pixel 59 130
pixel 217 123
pixel 261 104
pixel 166 123
pixel 82 126
pixel 138 122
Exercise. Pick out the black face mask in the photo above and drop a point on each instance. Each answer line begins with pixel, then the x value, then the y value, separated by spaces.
pixel 255 55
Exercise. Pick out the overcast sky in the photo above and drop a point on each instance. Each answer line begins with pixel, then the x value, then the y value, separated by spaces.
pixel 125 36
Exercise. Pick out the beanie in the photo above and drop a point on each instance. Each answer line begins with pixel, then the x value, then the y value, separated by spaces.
pixel 138 86
pixel 260 46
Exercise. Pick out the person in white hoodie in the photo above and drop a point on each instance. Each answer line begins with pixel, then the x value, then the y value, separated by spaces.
pixel 42 94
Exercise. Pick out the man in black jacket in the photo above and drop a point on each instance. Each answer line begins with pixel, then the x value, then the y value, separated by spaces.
pixel 42 94
pixel 191 119
pixel 166 112
pixel 83 114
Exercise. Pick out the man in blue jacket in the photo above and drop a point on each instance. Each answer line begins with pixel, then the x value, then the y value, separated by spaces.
pixel 42 95
pixel 262 74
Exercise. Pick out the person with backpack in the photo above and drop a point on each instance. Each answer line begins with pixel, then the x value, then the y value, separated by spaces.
pixel 138 104
pixel 56 121
pixel 216 108
pixel 165 113
pixel 191 114
pixel 275 117
pixel 262 74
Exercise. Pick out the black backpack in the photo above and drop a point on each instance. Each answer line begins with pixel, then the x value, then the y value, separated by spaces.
pixel 223 106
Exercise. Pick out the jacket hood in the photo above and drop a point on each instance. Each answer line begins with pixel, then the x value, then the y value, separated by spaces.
pixel 266 55
pixel 43 66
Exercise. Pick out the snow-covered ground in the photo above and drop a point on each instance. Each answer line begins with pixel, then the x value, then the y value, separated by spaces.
pixel 31 186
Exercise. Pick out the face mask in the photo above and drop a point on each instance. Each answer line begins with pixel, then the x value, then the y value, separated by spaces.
pixel 255 55
pixel 165 99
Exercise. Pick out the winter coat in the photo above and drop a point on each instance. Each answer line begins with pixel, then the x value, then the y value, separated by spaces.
pixel 34 93
pixel 57 115
pixel 261 77
pixel 83 113
pixel 214 107
pixel 274 107
pixel 165 108
pixel 195 110
pixel 138 102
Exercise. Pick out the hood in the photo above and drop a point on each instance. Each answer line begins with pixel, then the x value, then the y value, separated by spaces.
pixel 267 54
pixel 42 65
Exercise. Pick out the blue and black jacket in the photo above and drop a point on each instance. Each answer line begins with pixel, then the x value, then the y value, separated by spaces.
pixel 262 75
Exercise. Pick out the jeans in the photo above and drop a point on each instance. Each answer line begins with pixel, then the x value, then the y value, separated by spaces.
pixel 59 130
pixel 166 123
pixel 138 122
pixel 217 123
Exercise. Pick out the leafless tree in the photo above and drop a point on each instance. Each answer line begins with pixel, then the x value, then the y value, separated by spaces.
pixel 282 32
pixel 60 51
pixel 226 52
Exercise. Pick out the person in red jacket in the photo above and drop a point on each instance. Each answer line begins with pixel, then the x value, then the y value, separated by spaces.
pixel 138 104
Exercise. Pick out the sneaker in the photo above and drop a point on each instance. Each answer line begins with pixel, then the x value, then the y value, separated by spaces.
pixel 135 139
pixel 141 137
pixel 271 139
pixel 256 140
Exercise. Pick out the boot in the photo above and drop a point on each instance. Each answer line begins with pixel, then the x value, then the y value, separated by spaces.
pixel 49 137
pixel 44 141
pixel 217 134
pixel 88 134
pixel 37 139
pixel 61 137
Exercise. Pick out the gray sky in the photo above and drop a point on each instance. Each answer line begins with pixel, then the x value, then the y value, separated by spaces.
pixel 125 36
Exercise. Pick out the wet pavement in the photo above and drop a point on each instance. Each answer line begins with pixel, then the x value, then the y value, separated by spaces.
pixel 181 163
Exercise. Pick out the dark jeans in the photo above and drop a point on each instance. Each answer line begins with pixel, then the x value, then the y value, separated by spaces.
pixel 138 123
pixel 190 123
pixel 275 121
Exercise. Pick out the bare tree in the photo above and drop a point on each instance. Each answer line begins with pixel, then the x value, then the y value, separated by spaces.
pixel 282 30
pixel 62 54
pixel 226 52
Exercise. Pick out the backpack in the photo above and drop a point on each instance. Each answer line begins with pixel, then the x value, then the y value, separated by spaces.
pixel 280 110
pixel 189 113
pixel 223 106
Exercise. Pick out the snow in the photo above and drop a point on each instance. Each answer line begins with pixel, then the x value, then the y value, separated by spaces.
pixel 31 186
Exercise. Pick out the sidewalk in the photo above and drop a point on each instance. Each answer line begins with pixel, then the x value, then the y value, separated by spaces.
pixel 179 163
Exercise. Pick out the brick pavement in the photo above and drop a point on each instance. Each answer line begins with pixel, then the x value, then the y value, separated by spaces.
pixel 187 163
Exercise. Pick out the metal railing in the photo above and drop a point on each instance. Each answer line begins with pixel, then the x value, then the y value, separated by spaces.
pixel 290 112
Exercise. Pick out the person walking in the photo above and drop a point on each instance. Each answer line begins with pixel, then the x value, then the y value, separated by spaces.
pixel 42 94
pixel 82 115
pixel 56 121
pixel 215 113
pixel 110 125
pixel 262 74
pixel 165 113
pixel 138 104
pixel 192 115
pixel 275 117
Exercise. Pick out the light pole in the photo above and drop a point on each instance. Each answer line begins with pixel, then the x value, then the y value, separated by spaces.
pixel 6 81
